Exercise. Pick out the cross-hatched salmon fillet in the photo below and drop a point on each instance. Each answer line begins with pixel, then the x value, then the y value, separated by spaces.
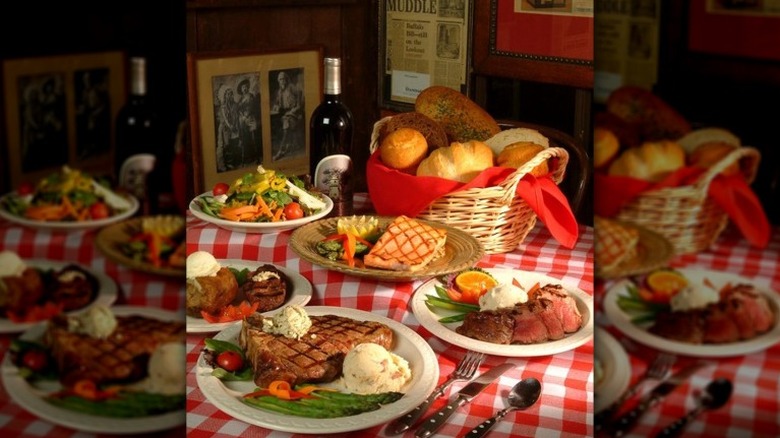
pixel 122 357
pixel 406 245
pixel 318 356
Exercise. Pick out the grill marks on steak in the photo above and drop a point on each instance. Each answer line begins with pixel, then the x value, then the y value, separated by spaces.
pixel 120 358
pixel 741 314
pixel 549 314
pixel 317 357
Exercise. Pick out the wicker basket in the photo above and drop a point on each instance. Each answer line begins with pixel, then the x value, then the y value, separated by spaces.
pixel 495 216
pixel 685 215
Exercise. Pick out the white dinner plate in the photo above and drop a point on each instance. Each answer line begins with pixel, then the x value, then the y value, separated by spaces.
pixel 30 396
pixel 430 319
pixel 616 369
pixel 257 227
pixel 106 293
pixel 299 294
pixel 696 278
pixel 71 225
pixel 407 344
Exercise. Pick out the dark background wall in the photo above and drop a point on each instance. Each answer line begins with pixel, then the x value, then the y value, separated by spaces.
pixel 154 29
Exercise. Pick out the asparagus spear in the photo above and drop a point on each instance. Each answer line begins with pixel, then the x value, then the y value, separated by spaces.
pixel 325 404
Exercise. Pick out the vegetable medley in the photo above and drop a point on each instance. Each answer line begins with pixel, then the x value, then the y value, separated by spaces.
pixel 261 196
pixel 66 196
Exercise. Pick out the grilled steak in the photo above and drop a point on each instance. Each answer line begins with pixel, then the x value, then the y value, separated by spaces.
pixel 740 314
pixel 548 315
pixel 121 357
pixel 316 357
pixel 266 286
pixel 74 287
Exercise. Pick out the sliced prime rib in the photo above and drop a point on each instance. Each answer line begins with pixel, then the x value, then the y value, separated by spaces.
pixel 317 356
pixel 120 358
pixel 740 314
pixel 548 315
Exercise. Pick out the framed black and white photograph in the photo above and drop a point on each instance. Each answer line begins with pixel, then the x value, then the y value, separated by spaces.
pixel 60 110
pixel 249 109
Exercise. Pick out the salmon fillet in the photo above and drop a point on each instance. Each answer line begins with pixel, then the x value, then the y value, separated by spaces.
pixel 406 245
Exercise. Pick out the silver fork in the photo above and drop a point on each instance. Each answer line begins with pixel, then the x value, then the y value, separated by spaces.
pixel 658 369
pixel 465 370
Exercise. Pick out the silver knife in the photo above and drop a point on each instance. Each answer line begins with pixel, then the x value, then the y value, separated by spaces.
pixel 465 395
pixel 627 421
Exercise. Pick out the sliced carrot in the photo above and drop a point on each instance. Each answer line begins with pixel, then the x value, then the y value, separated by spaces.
pixel 278 215
pixel 534 288
pixel 349 249
pixel 264 207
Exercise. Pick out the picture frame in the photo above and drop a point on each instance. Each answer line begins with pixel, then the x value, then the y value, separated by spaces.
pixel 507 43
pixel 422 44
pixel 231 140
pixel 61 110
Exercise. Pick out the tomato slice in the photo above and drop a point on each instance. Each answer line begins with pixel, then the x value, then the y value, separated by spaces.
pixel 454 294
pixel 231 312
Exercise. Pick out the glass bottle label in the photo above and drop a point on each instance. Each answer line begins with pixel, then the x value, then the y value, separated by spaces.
pixel 332 176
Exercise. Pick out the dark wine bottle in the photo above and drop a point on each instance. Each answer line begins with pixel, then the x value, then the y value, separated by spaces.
pixel 331 167
pixel 140 152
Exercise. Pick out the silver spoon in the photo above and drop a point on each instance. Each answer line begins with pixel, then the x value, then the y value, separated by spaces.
pixel 522 396
pixel 715 395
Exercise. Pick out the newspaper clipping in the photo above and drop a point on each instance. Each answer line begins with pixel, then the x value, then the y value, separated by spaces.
pixel 626 45
pixel 426 44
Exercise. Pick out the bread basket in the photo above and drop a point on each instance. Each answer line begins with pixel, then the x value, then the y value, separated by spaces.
pixel 498 218
pixel 686 215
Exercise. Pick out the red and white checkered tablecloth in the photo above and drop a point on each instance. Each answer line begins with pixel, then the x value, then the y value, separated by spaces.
pixel 135 288
pixel 754 408
pixel 565 407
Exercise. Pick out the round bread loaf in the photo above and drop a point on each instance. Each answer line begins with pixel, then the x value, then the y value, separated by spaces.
pixel 432 131
pixel 652 161
pixel 517 154
pixel 462 119
pixel 707 154
pixel 516 135
pixel 403 149
pixel 459 162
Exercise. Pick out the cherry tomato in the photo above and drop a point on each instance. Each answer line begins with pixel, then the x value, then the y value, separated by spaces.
pixel 293 210
pixel 35 360
pixel 230 360
pixel 220 189
pixel 99 210
pixel 25 188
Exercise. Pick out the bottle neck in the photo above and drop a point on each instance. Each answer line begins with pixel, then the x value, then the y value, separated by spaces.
pixel 138 77
pixel 332 76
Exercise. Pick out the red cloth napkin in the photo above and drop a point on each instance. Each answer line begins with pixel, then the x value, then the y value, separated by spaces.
pixel 730 192
pixel 395 193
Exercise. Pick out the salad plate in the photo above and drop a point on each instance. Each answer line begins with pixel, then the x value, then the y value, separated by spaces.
pixel 84 225
pixel 696 278
pixel 461 250
pixel 31 396
pixel 257 227
pixel 111 238
pixel 430 319
pixel 615 369
pixel 407 344
pixel 106 294
pixel 299 294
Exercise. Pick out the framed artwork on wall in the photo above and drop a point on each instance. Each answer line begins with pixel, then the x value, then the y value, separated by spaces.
pixel 61 110
pixel 422 44
pixel 538 41
pixel 249 109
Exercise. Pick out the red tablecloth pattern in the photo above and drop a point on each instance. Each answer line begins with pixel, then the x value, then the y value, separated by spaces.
pixel 755 404
pixel 135 288
pixel 565 407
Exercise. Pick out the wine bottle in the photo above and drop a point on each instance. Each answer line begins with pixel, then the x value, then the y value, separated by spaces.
pixel 331 167
pixel 140 152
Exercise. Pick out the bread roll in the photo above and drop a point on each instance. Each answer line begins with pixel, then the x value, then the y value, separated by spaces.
pixel 707 154
pixel 463 120
pixel 459 161
pixel 403 149
pixel 432 131
pixel 517 154
pixel 652 161
pixel 694 139
pixel 605 147
pixel 516 135
pixel 654 117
